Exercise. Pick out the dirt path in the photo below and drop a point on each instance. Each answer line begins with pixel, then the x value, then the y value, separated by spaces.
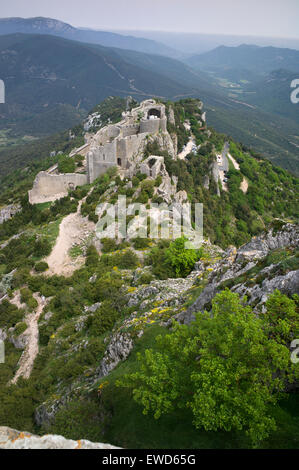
pixel 187 149
pixel 30 352
pixel 73 229
pixel 244 184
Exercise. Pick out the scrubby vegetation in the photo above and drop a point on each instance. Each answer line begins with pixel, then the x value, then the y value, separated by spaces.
pixel 220 382
pixel 233 217
pixel 227 367
pixel 173 259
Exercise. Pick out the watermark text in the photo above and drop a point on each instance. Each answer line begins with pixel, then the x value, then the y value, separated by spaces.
pixel 295 92
pixel 2 352
pixel 155 221
pixel 295 353
pixel 2 92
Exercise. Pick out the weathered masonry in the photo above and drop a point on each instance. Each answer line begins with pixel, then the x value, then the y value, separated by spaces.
pixel 116 145
pixel 49 187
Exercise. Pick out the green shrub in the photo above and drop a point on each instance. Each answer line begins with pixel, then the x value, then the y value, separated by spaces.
pixel 20 328
pixel 66 165
pixel 79 419
pixel 135 181
pixel 157 199
pixel 26 295
pixel 140 243
pixel 103 319
pixel 10 315
pixel 148 186
pixel 143 197
pixel 41 267
pixel 173 259
pixel 181 259
pixel 108 245
pixel 107 287
pixel 158 180
pixel 141 176
pixel 128 260
pixel 42 248
pixel 145 278
pixel 32 303
pixel 92 256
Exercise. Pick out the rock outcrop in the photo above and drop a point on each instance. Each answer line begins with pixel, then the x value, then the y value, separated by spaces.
pixel 12 439
pixel 236 263
pixel 8 212
pixel 259 247
pixel 118 350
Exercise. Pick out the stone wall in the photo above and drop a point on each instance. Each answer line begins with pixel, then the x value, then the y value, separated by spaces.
pixel 81 150
pixel 49 187
pixel 152 126
pixel 131 129
pixel 152 166
pixel 120 153
pixel 114 145
pixel 106 134
pixel 117 145
pixel 99 159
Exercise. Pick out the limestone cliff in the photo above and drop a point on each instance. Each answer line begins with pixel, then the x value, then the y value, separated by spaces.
pixel 12 439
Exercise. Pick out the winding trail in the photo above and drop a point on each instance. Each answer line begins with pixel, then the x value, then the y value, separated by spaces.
pixel 30 352
pixel 188 147
pixel 73 229
pixel 244 184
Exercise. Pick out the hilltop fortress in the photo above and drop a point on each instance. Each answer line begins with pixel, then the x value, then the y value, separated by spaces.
pixel 115 145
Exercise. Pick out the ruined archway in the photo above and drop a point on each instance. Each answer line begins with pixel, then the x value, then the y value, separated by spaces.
pixel 154 114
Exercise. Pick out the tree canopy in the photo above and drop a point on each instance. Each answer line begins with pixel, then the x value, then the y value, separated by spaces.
pixel 225 367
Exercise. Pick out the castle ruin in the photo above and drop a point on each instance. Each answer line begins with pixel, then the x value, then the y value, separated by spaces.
pixel 118 144
pixel 115 145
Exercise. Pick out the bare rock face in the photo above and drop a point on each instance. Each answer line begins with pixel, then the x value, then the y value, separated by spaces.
pixel 287 284
pixel 8 212
pixel 118 350
pixel 236 263
pixel 260 246
pixel 12 439
pixel 171 117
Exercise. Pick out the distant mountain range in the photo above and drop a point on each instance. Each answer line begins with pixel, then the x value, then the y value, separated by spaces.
pixel 198 43
pixel 254 59
pixel 256 75
pixel 54 27
pixel 259 79
pixel 52 81
pixel 272 93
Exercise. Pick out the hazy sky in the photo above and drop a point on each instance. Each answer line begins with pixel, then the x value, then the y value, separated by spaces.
pixel 240 17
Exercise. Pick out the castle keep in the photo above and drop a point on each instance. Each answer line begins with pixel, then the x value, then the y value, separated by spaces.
pixel 116 145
